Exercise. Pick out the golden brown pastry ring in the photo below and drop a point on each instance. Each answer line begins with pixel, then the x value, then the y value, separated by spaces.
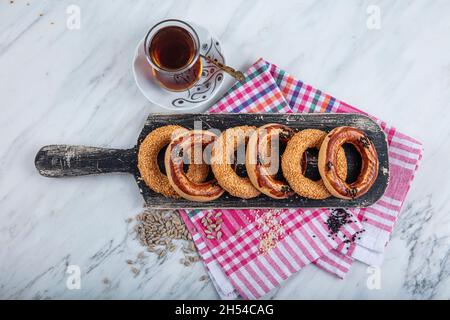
pixel 174 161
pixel 222 162
pixel 148 161
pixel 327 161
pixel 294 168
pixel 261 172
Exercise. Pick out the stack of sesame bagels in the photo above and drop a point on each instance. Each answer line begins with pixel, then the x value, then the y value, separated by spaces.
pixel 190 154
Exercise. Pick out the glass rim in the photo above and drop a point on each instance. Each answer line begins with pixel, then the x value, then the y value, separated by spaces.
pixel 156 28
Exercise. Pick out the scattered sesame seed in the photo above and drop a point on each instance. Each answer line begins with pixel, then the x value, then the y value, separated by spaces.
pixel 271 228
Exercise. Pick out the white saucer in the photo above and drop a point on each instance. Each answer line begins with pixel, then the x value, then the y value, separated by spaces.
pixel 209 84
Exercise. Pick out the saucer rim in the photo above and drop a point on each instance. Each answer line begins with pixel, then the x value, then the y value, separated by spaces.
pixel 144 92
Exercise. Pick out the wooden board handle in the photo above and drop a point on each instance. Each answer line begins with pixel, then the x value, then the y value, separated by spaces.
pixel 65 161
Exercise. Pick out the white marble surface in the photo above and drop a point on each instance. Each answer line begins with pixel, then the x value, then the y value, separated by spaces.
pixel 76 87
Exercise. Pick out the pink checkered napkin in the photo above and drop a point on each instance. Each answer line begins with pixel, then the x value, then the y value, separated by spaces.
pixel 405 154
pixel 306 236
pixel 270 89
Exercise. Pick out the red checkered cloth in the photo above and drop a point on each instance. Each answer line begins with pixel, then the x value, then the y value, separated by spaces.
pixel 238 261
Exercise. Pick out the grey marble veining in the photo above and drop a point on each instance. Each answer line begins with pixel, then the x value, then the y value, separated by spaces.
pixel 76 87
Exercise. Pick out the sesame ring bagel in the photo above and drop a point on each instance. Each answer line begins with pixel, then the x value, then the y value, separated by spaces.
pixel 294 167
pixel 262 160
pixel 149 149
pixel 230 141
pixel 328 157
pixel 193 142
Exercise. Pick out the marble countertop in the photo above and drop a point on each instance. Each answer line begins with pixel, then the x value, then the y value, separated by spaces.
pixel 75 86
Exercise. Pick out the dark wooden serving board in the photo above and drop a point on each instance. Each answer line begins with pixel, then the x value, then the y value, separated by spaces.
pixel 64 160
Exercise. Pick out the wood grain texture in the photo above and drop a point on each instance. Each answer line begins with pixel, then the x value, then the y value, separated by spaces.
pixel 60 161
pixel 57 161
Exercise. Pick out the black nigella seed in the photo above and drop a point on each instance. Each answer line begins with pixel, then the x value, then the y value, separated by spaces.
pixel 365 141
pixel 329 165
pixel 337 219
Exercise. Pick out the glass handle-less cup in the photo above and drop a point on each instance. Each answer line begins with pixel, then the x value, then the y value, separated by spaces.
pixel 172 48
